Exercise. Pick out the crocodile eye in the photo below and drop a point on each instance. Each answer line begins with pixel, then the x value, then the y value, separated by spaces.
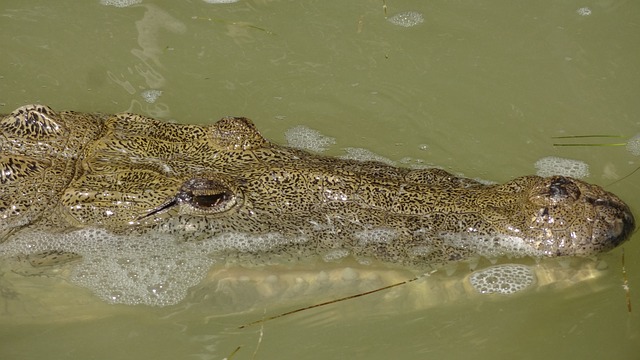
pixel 208 194
pixel 202 196
pixel 209 201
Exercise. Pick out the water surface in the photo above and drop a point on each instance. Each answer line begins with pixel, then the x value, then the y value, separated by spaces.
pixel 479 88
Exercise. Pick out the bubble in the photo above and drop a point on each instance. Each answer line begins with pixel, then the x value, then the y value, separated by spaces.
pixel 484 181
pixel 151 96
pixel 304 138
pixel 335 255
pixel 406 19
pixel 633 145
pixel 365 155
pixel 420 250
pixel 376 236
pixel 502 279
pixel 551 165
pixel 492 246
pixel 583 11
pixel 153 269
pixel 120 3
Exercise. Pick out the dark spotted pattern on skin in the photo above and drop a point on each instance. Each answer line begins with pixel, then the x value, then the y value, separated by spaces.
pixel 127 173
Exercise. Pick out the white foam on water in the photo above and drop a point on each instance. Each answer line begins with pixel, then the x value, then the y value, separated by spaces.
pixel 551 165
pixel 335 255
pixel 413 163
pixel 492 246
pixel 153 269
pixel 304 138
pixel 151 96
pixel 220 1
pixel 365 155
pixel 120 3
pixel 485 181
pixel 503 279
pixel 633 145
pixel 584 11
pixel 407 19
pixel 376 236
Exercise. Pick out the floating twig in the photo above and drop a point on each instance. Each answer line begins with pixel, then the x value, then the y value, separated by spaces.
pixel 590 144
pixel 588 137
pixel 624 177
pixel 585 136
pixel 263 320
pixel 594 144
pixel 233 353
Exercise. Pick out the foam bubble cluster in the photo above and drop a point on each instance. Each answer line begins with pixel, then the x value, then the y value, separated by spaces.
pixel 304 138
pixel 152 269
pixel 220 1
pixel 335 255
pixel 633 145
pixel 377 235
pixel 502 279
pixel 151 96
pixel 492 246
pixel 365 155
pixel 551 165
pixel 406 19
pixel 584 11
pixel 155 269
pixel 120 3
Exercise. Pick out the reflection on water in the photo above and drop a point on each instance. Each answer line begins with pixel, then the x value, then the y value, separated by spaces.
pixel 482 86
pixel 226 311
pixel 150 68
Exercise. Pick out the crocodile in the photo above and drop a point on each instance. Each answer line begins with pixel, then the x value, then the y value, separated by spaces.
pixel 65 171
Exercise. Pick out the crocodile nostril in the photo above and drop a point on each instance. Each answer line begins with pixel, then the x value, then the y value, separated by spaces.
pixel 561 188
pixel 557 189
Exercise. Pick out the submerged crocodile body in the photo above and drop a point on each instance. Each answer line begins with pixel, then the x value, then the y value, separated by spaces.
pixel 66 171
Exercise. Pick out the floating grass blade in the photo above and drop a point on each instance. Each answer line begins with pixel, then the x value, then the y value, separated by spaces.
pixel 349 297
pixel 585 136
pixel 631 142
pixel 588 137
pixel 590 144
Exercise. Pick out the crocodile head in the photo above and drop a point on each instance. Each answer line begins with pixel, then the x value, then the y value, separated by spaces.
pixel 571 217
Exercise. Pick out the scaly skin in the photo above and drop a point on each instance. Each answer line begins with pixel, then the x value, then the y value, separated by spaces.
pixel 125 173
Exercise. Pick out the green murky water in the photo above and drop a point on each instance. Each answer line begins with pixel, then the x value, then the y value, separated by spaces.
pixel 480 87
